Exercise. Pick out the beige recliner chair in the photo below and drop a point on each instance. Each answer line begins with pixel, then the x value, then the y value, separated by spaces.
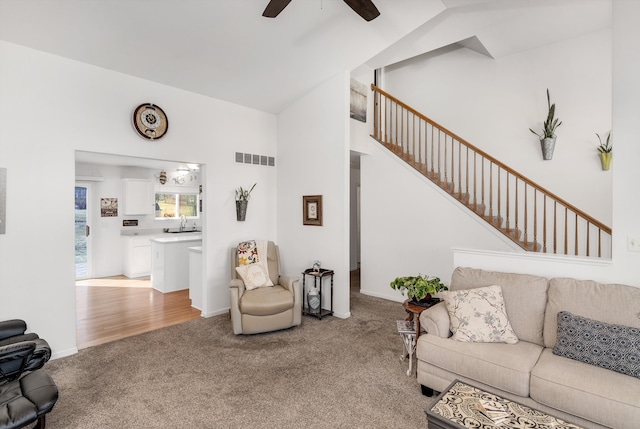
pixel 265 309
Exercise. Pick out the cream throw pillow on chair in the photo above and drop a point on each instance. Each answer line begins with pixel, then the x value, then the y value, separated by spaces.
pixel 254 276
pixel 253 269
pixel 479 316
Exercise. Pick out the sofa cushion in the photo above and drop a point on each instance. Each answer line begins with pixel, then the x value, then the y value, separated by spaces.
pixel 503 366
pixel 596 394
pixel 525 298
pixel 614 347
pixel 609 303
pixel 478 315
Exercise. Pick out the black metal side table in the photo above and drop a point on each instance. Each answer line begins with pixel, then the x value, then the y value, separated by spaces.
pixel 318 276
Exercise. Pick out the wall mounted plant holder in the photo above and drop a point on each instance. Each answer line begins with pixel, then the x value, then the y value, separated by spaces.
pixel 548 145
pixel 605 160
pixel 241 210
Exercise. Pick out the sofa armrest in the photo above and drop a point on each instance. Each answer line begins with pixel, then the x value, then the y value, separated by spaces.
pixel 435 320
pixel 287 282
pixel 292 283
pixel 237 284
pixel 12 328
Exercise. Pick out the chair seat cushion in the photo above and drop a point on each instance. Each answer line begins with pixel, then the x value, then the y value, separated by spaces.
pixel 266 301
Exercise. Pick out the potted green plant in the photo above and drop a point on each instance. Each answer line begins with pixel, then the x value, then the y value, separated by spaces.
pixel 548 134
pixel 605 151
pixel 242 200
pixel 418 288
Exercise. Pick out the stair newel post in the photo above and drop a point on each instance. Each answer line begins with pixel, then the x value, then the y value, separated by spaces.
pixel 526 216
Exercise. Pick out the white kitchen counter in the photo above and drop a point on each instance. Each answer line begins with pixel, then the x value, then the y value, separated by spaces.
pixel 170 260
pixel 168 238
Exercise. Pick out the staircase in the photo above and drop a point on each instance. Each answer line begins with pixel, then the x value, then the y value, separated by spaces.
pixel 531 216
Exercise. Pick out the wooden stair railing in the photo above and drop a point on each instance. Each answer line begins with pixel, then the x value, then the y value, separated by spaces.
pixel 527 213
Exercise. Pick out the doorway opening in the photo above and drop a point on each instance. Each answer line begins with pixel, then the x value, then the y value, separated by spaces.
pixel 110 305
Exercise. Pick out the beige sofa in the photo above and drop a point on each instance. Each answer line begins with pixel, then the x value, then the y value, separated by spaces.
pixel 529 372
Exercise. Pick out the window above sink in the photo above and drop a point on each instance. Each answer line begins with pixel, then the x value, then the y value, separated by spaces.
pixel 176 202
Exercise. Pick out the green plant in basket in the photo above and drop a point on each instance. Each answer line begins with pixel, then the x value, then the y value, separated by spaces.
pixel 418 287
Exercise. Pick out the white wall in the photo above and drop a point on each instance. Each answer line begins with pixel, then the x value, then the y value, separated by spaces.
pixel 314 160
pixel 49 108
pixel 579 73
pixel 492 103
pixel 409 225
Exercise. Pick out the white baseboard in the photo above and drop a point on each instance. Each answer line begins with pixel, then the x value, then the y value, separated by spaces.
pixel 216 312
pixel 64 353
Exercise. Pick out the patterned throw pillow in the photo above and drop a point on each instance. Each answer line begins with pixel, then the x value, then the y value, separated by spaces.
pixel 253 276
pixel 478 315
pixel 248 253
pixel 614 347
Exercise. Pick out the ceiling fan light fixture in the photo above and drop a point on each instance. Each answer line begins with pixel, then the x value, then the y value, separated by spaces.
pixel 365 8
pixel 274 8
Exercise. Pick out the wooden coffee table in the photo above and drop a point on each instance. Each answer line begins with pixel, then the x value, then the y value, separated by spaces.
pixel 456 408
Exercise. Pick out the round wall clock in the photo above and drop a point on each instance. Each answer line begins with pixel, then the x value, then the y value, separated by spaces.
pixel 150 121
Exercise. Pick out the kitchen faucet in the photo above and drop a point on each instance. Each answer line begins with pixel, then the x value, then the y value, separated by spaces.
pixel 183 222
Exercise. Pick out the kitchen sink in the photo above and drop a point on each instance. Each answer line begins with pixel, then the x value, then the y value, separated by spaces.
pixel 179 231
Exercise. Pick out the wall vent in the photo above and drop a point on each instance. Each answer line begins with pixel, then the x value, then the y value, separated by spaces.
pixel 249 158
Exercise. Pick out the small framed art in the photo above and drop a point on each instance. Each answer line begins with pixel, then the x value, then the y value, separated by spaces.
pixel 312 210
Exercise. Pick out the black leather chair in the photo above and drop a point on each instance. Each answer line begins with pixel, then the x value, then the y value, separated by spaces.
pixel 27 393
pixel 13 331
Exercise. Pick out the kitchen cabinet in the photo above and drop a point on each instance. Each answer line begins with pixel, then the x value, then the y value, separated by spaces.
pixel 136 251
pixel 138 197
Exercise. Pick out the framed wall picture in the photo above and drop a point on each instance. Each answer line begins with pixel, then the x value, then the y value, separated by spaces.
pixel 108 207
pixel 312 210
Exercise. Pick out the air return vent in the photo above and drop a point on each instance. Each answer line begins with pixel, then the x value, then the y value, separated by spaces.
pixel 249 158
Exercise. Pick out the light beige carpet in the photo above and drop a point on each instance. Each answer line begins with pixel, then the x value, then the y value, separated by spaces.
pixel 329 373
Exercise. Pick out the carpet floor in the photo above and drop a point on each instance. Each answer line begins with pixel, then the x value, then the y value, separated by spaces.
pixel 329 373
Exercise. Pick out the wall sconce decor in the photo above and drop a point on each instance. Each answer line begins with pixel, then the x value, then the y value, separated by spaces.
pixel 312 210
pixel 163 177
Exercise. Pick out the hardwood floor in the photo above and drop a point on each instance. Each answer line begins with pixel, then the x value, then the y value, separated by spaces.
pixel 117 307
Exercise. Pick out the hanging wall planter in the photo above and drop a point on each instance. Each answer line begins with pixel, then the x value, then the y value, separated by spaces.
pixel 605 152
pixel 548 145
pixel 605 160
pixel 242 201
pixel 241 210
pixel 548 134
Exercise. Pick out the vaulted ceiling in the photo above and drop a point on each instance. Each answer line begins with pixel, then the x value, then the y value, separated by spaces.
pixel 225 49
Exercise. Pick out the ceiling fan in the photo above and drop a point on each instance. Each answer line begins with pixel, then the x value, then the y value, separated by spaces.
pixel 365 8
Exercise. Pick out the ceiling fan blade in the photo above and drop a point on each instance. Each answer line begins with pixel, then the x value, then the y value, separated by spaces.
pixel 274 8
pixel 365 8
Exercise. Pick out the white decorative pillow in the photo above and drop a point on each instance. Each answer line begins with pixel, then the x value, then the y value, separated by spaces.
pixel 253 252
pixel 254 276
pixel 478 315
